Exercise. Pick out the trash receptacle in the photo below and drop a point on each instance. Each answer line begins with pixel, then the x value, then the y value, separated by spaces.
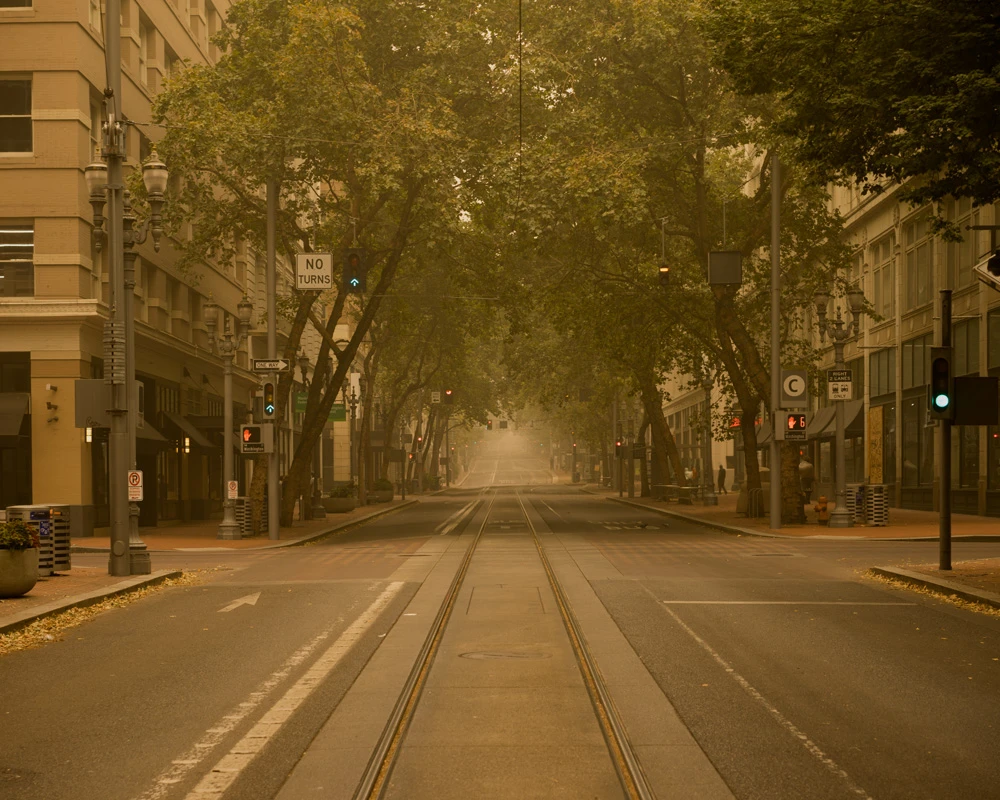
pixel 877 505
pixel 856 502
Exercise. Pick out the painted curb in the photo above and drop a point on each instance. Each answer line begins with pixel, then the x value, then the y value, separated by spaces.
pixel 942 585
pixel 90 598
pixel 290 543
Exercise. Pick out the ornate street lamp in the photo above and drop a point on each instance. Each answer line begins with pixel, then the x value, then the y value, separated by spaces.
pixel 226 346
pixel 839 331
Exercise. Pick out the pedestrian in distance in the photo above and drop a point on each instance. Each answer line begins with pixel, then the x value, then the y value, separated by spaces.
pixel 722 480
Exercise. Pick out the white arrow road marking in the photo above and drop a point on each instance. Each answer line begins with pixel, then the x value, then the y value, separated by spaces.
pixel 180 767
pixel 215 783
pixel 249 600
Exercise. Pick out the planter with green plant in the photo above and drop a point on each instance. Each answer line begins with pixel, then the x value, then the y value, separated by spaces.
pixel 18 558
pixel 381 491
pixel 341 499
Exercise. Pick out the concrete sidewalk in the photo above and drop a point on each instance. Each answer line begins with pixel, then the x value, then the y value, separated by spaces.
pixel 975 581
pixel 81 586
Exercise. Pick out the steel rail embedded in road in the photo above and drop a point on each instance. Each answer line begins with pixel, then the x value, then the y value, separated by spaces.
pixel 626 763
pixel 376 775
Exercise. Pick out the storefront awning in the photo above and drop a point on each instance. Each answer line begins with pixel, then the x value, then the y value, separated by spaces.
pixel 149 433
pixel 818 422
pixel 854 423
pixel 187 429
pixel 13 407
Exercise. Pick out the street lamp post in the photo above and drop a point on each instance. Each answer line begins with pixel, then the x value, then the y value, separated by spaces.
pixel 839 332
pixel 226 346
pixel 710 498
pixel 352 401
pixel 105 186
pixel 316 509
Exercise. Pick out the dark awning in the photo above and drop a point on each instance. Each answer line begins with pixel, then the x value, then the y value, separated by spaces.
pixel 819 421
pixel 149 433
pixel 13 407
pixel 189 430
pixel 854 423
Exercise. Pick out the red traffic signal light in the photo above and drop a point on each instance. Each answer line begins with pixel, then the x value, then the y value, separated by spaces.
pixel 449 397
pixel 489 424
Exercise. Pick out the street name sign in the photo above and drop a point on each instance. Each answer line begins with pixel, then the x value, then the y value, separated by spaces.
pixel 135 485
pixel 314 271
pixel 839 384
pixel 270 365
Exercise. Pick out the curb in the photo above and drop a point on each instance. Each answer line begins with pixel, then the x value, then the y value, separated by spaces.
pixel 735 529
pixel 926 581
pixel 290 543
pixel 25 618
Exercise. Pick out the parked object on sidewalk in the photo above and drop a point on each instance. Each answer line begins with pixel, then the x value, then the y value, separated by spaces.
pixel 382 491
pixel 822 510
pixel 341 499
pixel 18 559
pixel 39 519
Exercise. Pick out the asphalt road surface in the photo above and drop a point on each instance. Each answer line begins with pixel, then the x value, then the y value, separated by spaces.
pixel 797 677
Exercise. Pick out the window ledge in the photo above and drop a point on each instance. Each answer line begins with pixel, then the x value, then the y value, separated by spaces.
pixel 17 12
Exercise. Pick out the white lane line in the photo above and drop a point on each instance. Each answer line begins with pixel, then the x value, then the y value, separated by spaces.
pixel 782 720
pixel 777 603
pixel 249 600
pixel 550 508
pixel 181 766
pixel 451 523
pixel 215 783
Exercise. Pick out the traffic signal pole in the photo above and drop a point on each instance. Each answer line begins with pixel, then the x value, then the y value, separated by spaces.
pixel 944 443
pixel 273 493
pixel 775 487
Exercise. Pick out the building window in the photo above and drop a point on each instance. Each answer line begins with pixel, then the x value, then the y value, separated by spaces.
pixel 882 372
pixel 17 250
pixel 965 457
pixel 883 276
pixel 15 3
pixel 993 344
pixel 918 444
pixel 143 54
pixel 15 116
pixel 963 255
pixel 857 368
pixel 95 15
pixel 917 264
pixel 916 361
pixel 965 340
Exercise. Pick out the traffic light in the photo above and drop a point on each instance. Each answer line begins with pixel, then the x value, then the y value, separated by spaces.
pixel 618 448
pixel 354 271
pixel 257 438
pixel 942 397
pixel 489 424
pixel 664 275
pixel 410 456
pixel 449 397
pixel 251 434
pixel 269 406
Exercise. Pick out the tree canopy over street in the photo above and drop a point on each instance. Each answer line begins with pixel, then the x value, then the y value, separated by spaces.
pixel 875 92
pixel 519 190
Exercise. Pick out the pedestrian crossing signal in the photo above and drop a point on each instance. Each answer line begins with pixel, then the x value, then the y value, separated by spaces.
pixel 251 433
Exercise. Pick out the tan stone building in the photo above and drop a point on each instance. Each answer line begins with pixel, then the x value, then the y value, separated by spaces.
pixel 54 282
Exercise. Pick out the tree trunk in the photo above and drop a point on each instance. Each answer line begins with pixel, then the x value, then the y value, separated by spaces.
pixel 643 462
pixel 652 403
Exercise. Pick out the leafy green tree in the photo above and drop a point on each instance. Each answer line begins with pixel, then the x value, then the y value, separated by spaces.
pixel 872 92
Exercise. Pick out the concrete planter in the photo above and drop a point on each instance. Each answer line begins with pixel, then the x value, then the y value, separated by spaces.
pixel 380 496
pixel 18 571
pixel 339 505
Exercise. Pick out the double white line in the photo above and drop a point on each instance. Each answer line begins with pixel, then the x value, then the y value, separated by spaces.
pixel 452 522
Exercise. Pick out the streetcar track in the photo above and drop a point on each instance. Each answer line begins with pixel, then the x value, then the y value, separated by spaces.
pixel 376 777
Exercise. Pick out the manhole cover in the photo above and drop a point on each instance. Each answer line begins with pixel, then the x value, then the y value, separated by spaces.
pixel 483 655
